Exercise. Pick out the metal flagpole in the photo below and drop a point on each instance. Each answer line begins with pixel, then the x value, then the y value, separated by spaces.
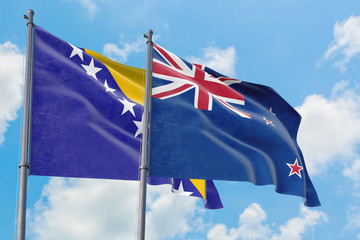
pixel 144 166
pixel 24 164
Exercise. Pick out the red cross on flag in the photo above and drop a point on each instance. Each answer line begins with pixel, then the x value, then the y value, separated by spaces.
pixel 184 77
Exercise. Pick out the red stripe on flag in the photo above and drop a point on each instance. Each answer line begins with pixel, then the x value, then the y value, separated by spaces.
pixel 167 56
pixel 172 92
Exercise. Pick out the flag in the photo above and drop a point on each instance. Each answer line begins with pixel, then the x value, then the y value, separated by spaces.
pixel 87 117
pixel 204 189
pixel 208 126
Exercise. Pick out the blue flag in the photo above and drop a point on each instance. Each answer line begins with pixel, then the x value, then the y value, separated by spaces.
pixel 87 118
pixel 208 126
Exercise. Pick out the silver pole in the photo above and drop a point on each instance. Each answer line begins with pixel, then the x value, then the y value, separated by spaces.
pixel 24 164
pixel 144 167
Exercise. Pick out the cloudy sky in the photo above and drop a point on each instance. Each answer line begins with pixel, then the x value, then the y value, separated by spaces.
pixel 308 52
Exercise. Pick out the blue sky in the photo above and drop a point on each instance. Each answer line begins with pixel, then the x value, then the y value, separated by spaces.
pixel 308 51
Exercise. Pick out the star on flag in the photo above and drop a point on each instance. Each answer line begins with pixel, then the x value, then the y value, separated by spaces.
pixel 76 51
pixel 107 88
pixel 90 69
pixel 270 110
pixel 268 122
pixel 128 106
pixel 139 125
pixel 295 168
pixel 181 191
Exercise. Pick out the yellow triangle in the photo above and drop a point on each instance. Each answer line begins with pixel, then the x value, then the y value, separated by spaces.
pixel 200 186
pixel 131 80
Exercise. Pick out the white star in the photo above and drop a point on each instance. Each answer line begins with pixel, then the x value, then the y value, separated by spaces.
pixel 107 88
pixel 139 125
pixel 91 70
pixel 128 106
pixel 76 51
pixel 181 191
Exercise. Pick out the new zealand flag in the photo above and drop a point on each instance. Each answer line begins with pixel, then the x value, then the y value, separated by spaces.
pixel 208 126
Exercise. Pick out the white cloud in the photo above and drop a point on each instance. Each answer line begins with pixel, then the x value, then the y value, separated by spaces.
pixel 353 218
pixel 116 53
pixel 346 41
pixel 251 223
pixel 107 209
pixel 296 227
pixel 221 60
pixel 90 6
pixel 252 226
pixel 219 232
pixel 170 218
pixel 11 82
pixel 353 172
pixel 330 128
pixel 85 209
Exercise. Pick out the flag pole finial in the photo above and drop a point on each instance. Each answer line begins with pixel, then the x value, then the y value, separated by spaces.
pixel 30 16
pixel 31 13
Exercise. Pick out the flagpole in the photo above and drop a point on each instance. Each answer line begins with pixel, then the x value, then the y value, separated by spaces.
pixel 144 167
pixel 24 164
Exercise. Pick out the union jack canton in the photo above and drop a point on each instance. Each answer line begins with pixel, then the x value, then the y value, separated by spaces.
pixel 185 76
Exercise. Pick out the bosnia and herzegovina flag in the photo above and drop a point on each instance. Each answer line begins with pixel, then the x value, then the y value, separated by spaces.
pixel 87 118
pixel 223 129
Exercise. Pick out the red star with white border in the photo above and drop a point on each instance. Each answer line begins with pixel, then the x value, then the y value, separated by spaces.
pixel 295 168
pixel 268 122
